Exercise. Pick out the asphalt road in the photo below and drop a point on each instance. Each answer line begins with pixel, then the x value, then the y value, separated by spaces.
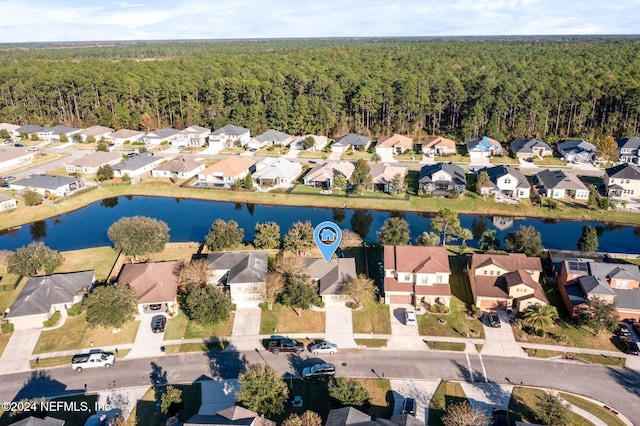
pixel 617 387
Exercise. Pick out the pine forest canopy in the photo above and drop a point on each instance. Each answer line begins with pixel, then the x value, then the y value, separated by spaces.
pixel 551 87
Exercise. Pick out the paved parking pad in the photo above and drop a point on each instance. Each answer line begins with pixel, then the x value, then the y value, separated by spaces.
pixel 487 396
pixel 405 337
pixel 500 341
pixel 147 343
pixel 420 390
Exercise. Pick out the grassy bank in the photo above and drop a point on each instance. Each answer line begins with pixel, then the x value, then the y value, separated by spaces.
pixel 472 203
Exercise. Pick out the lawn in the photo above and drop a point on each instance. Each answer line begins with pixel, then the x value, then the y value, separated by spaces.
pixel 373 318
pixel 283 319
pixel 147 410
pixel 196 347
pixel 594 359
pixel 4 339
pixel 356 155
pixel 503 159
pixel 446 394
pixel 7 297
pixel 523 404
pixel 99 258
pixel 446 346
pixel 408 158
pixel 312 154
pixel 454 158
pixel 176 251
pixel 231 151
pixel 550 161
pixel 70 417
pixel 600 412
pixel 180 326
pixel 76 334
pixel 372 343
pixel 380 397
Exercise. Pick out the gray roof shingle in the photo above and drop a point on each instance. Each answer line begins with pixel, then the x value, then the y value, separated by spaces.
pixel 455 171
pixel 623 171
pixel 353 139
pixel 45 181
pixel 526 146
pixel 244 267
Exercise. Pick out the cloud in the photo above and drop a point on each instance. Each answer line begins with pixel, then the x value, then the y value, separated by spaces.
pixel 59 20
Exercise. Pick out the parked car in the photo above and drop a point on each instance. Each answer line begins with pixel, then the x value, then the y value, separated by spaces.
pixel 323 347
pixel 95 358
pixel 409 406
pixel 500 417
pixel 410 318
pixel 319 371
pixel 19 145
pixel 157 323
pixel 493 319
pixel 630 345
pixel 181 147
pixel 279 344
pixel 8 178
pixel 623 331
pixel 155 306
pixel 32 148
pixel 253 149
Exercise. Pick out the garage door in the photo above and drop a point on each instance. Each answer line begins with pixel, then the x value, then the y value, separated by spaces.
pixel 401 299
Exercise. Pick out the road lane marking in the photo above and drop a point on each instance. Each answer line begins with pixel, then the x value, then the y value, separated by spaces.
pixel 470 370
pixel 484 372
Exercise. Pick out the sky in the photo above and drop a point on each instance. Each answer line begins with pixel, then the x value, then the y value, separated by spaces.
pixel 92 20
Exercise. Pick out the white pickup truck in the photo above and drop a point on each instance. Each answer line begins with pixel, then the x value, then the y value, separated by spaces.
pixel 95 358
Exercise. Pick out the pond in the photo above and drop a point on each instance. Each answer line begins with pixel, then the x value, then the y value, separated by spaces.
pixel 189 220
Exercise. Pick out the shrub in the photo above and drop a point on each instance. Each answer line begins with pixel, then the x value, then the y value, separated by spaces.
pixel 32 198
pixel 320 304
pixel 453 195
pixel 53 320
pixel 7 328
pixel 75 310
pixel 352 305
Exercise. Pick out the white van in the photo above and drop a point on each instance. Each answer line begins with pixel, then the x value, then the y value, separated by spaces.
pixel 95 358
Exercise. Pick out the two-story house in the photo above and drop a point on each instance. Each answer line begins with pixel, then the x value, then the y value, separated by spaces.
pixel 442 178
pixel 582 279
pixel 240 273
pixel 628 149
pixel 507 182
pixel 226 136
pixel 191 136
pixel 417 275
pixel 622 182
pixel 505 281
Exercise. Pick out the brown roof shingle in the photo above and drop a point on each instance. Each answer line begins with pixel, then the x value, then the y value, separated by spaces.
pixel 509 261
pixel 231 166
pixel 153 282
pixel 423 260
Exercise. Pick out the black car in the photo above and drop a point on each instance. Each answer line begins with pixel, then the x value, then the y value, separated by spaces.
pixel 279 344
pixel 157 323
pixel 493 319
pixel 630 346
pixel 623 331
pixel 409 406
pixel 500 417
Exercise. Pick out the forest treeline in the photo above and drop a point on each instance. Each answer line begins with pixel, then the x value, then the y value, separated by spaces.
pixel 551 89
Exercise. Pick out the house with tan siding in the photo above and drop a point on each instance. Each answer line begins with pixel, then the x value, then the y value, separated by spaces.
pixel 90 163
pixel 622 182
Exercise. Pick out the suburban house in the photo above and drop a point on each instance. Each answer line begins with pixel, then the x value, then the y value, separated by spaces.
pixel 12 157
pixel 90 163
pixel 223 173
pixel 417 275
pixel 330 276
pixel 52 134
pixel 322 175
pixel 622 182
pixel 28 130
pixel 226 136
pixel 577 151
pixel 276 171
pixel 507 182
pixel 269 138
pixel 240 273
pixel 394 144
pixel 528 149
pixel 438 145
pixel 349 416
pixel 137 166
pixel 159 136
pixel 97 133
pixel 118 138
pixel 155 284
pixel 505 281
pixel 561 184
pixel 180 167
pixel 582 279
pixel 319 142
pixel 232 416
pixel 7 203
pixel 10 128
pixel 382 175
pixel 39 421
pixel 49 185
pixel 483 147
pixel 350 141
pixel 43 295
pixel 628 149
pixel 192 136
pixel 442 178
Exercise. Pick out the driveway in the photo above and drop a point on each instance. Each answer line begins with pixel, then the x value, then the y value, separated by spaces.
pixel 338 325
pixel 335 156
pixel 404 337
pixel 420 390
pixel 15 357
pixel 487 396
pixel 246 328
pixel 500 341
pixel 147 343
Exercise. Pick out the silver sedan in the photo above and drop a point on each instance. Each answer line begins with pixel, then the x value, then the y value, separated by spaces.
pixel 323 347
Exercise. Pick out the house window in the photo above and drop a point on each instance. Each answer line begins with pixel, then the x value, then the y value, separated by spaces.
pixel 486 272
pixel 439 278
pixel 425 279
pixel 407 277
pixel 507 181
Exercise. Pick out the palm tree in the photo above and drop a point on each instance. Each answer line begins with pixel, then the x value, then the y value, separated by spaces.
pixel 540 317
pixel 488 240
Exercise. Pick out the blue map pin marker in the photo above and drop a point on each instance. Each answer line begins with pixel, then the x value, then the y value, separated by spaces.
pixel 327 236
